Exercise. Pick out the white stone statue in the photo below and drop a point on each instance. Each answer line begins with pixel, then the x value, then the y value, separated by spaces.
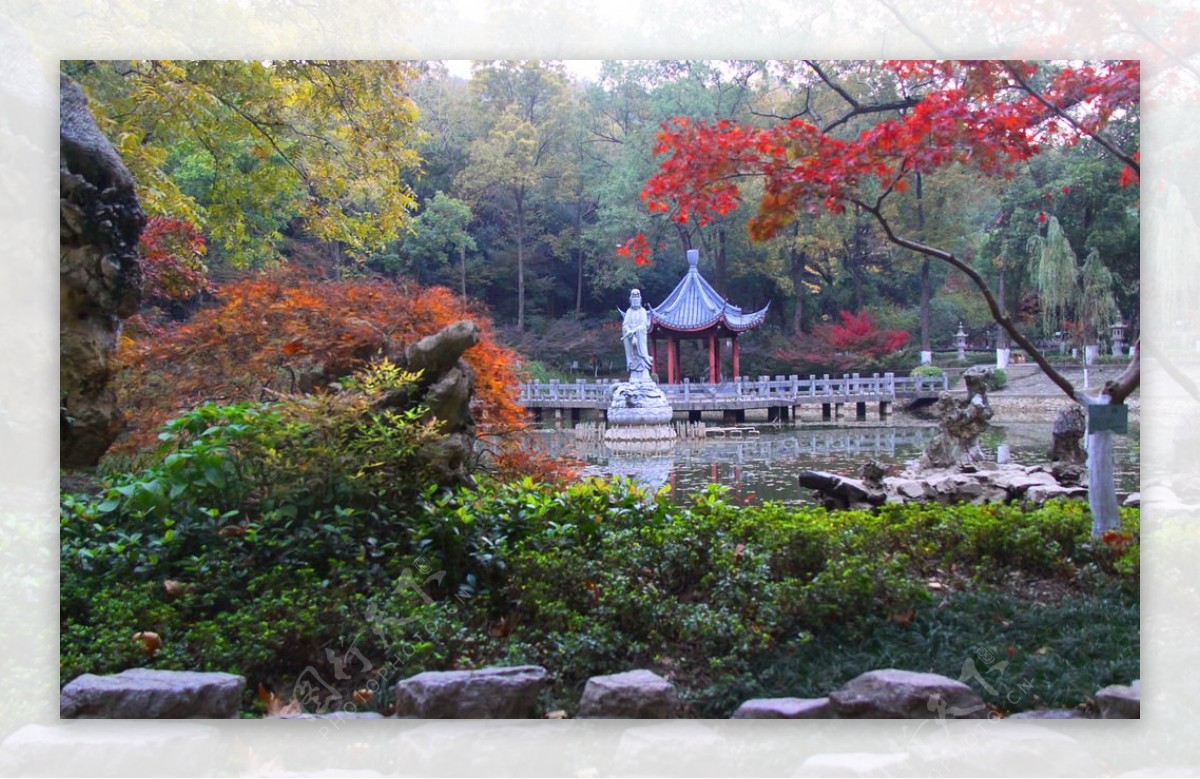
pixel 633 334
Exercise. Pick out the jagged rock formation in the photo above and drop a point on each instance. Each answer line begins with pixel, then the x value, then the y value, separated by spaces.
pixel 986 483
pixel 100 277
pixel 445 388
pixel 962 422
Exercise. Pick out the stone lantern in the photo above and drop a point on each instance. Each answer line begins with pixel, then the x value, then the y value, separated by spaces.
pixel 1118 338
pixel 960 342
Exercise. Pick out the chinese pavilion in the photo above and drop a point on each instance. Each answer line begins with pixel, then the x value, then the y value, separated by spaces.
pixel 696 311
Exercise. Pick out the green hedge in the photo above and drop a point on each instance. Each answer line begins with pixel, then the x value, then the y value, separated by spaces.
pixel 596 577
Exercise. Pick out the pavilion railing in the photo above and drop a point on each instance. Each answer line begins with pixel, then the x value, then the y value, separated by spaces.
pixel 794 390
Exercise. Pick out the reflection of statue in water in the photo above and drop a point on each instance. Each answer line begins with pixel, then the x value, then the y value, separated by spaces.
pixel 633 334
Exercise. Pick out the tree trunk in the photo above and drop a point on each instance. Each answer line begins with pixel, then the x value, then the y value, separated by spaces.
pixel 1002 339
pixel 462 267
pixel 578 265
pixel 1102 489
pixel 1102 480
pixel 926 292
pixel 925 296
pixel 520 266
pixel 798 263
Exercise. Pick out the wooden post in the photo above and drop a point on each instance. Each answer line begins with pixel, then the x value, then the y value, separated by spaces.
pixel 672 357
pixel 737 365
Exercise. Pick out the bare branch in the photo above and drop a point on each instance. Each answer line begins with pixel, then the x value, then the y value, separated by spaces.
pixel 993 305
pixel 1108 145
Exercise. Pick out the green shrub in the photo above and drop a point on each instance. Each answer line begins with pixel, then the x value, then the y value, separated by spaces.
pixel 999 379
pixel 931 371
pixel 596 577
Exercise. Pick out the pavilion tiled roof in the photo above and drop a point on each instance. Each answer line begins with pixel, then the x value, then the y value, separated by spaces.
pixel 694 306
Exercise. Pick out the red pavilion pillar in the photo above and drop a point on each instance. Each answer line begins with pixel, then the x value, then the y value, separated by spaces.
pixel 737 367
pixel 672 360
pixel 714 359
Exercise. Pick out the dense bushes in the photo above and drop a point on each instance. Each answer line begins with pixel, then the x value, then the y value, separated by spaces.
pixel 264 541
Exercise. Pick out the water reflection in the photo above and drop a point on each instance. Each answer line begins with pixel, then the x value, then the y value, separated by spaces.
pixel 763 467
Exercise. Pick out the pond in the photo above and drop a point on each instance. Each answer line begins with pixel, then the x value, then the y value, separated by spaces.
pixel 763 467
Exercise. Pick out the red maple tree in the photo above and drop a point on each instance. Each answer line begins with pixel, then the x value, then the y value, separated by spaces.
pixel 990 115
pixel 985 114
pixel 280 333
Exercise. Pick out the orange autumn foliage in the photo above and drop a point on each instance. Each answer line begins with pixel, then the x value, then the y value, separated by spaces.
pixel 279 333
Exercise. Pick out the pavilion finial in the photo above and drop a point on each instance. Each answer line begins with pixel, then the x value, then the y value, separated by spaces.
pixel 693 258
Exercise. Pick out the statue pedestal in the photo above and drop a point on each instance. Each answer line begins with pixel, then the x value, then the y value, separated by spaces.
pixel 639 411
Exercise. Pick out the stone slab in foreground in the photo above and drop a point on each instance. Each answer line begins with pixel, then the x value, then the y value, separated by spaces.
pixel 143 693
pixel 489 693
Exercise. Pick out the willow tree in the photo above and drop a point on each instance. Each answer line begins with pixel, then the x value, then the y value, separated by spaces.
pixel 1055 275
pixel 1096 306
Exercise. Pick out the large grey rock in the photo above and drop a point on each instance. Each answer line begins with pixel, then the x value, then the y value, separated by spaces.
pixel 1041 493
pixel 1069 428
pixel 143 693
pixel 1120 702
pixel 785 708
pixel 489 693
pixel 100 277
pixel 639 694
pixel 895 694
pixel 840 492
pixel 436 354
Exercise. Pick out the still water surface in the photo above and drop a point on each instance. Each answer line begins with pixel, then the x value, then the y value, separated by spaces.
pixel 764 467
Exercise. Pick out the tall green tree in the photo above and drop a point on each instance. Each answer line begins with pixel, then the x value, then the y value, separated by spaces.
pixel 515 162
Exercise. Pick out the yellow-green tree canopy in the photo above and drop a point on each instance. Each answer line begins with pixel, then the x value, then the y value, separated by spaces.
pixel 243 148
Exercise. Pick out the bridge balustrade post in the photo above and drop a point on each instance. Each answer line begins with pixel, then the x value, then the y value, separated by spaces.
pixel 795 388
pixel 687 385
pixel 554 389
pixel 812 385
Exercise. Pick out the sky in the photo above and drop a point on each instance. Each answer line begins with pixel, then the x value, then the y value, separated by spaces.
pixel 585 70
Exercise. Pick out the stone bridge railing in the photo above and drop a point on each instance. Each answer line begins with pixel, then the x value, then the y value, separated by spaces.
pixel 745 392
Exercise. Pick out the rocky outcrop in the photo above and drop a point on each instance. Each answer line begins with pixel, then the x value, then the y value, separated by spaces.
pixel 639 694
pixel 896 694
pixel 445 387
pixel 142 693
pixel 982 483
pixel 489 693
pixel 962 422
pixel 100 277
pixel 1069 427
pixel 785 708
